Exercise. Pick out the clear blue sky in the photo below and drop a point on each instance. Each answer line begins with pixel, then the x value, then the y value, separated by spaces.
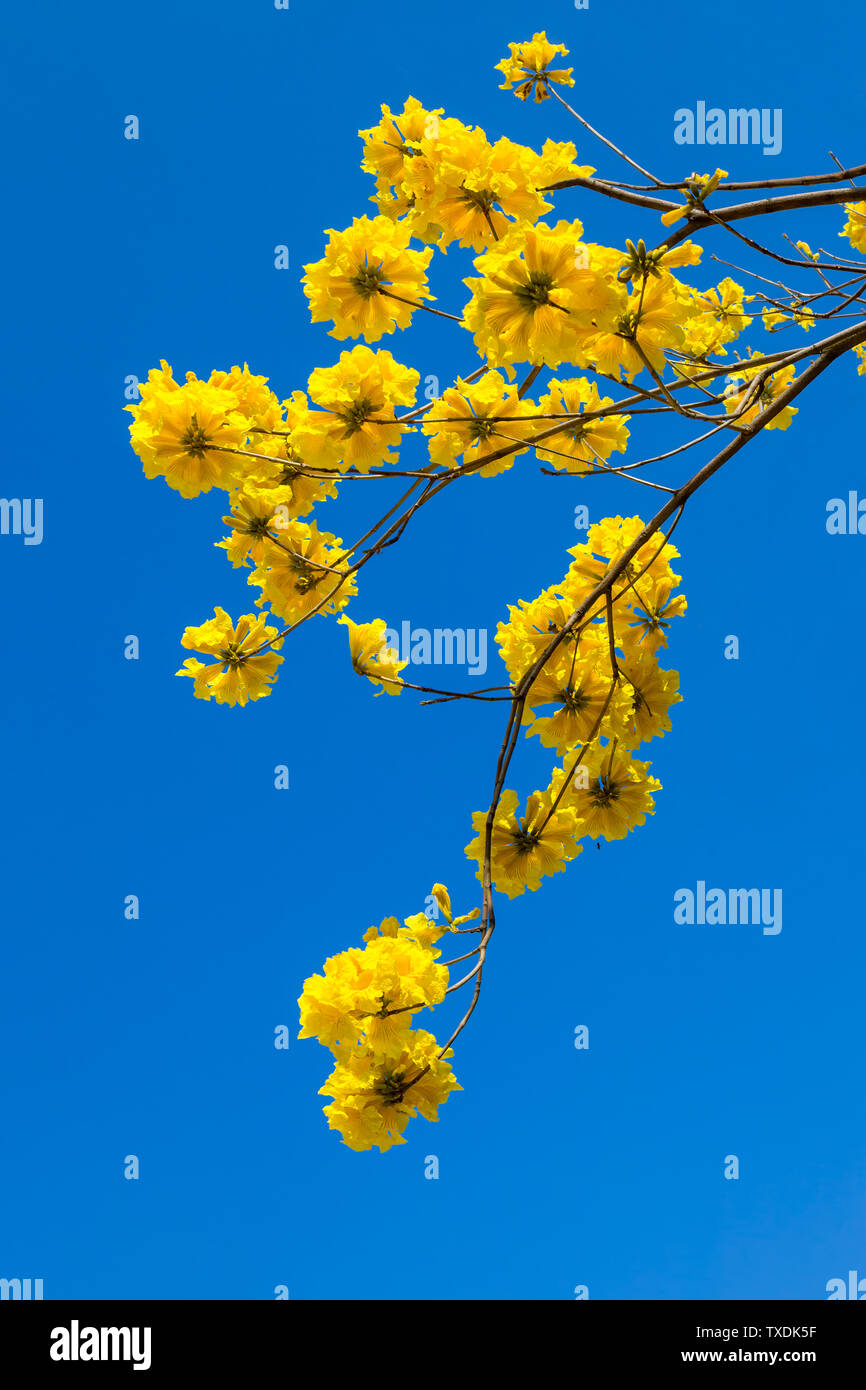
pixel 155 1037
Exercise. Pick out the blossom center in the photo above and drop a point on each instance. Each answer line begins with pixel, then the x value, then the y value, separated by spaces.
pixel 231 655
pixel 194 438
pixel 390 1087
pixel 355 415
pixel 525 840
pixel 536 290
pixel 574 699
pixel 481 198
pixel 480 428
pixel 368 280
pixel 605 792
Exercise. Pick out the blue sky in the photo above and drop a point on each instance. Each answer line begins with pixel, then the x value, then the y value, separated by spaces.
pixel 154 1037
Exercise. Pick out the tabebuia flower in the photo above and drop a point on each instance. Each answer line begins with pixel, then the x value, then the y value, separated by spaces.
pixel 182 433
pixel 371 656
pixel 246 658
pixel 356 400
pixel 541 295
pixel 375 1096
pixel 528 68
pixel 368 282
pixel 362 1009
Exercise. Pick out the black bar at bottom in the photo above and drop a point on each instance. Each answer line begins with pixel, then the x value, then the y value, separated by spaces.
pixel 156 1339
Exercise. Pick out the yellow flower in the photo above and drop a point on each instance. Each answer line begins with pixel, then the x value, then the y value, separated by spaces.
pixel 374 1098
pixel 855 227
pixel 696 188
pixel 253 395
pixel 180 432
pixel 429 172
pixel 256 513
pixel 524 848
pixel 368 282
pixel 529 67
pixel 541 296
pixel 531 627
pixel 769 392
pixel 580 688
pixel 609 790
pixel 649 322
pixel 392 145
pixel 418 928
pixel 650 611
pixel 641 264
pixel 714 317
pixel 478 189
pixel 300 569
pixel 239 674
pixel 357 397
pixel 448 182
pixel 331 1004
pixel 582 445
pixel 371 657
pixel 557 162
pixel 651 691
pixel 686 254
pixel 371 994
pixel 487 416
pixel 443 899
pixel 801 315
pixel 278 465
pixel 646 578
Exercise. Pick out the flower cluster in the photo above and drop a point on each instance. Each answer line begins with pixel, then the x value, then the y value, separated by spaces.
pixel 362 1008
pixel 443 181
pixel 543 295
pixel 594 699
pixel 275 461
pixel 583 658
